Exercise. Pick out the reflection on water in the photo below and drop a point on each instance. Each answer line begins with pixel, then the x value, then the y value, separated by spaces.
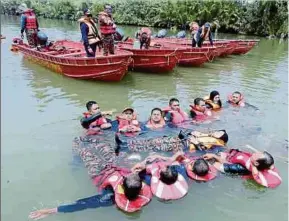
pixel 40 112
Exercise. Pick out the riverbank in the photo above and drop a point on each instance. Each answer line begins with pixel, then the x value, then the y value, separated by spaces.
pixel 260 18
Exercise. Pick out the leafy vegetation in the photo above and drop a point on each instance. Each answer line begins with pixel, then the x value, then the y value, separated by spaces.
pixel 264 18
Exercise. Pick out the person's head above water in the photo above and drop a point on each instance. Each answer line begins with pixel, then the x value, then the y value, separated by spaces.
pixel 215 97
pixel 200 104
pixel 200 167
pixel 128 113
pixel 156 115
pixel 236 97
pixel 174 104
pixel 262 160
pixel 168 175
pixel 132 186
pixel 92 107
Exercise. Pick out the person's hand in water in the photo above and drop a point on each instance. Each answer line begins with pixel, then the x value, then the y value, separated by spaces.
pixel 42 213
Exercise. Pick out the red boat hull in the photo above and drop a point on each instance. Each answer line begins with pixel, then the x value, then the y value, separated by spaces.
pixel 76 65
pixel 151 60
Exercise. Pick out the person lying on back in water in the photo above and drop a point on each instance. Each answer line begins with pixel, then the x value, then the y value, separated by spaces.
pixel 259 166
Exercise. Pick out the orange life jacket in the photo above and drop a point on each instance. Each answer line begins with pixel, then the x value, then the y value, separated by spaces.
pixel 201 116
pixel 116 182
pixel 31 22
pixel 268 177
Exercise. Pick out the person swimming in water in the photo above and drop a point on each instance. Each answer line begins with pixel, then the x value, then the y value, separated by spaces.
pixel 214 102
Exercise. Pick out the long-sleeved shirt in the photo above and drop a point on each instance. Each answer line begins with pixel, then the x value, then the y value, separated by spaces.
pixel 23 23
pixel 198 36
pixel 84 32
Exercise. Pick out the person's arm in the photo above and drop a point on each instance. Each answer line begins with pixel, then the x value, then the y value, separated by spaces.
pixel 84 32
pixel 106 198
pixel 211 38
pixel 237 169
pixel 23 23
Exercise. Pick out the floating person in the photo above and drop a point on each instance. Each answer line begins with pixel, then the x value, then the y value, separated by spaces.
pixel 259 166
pixel 29 24
pixel 236 99
pixel 107 29
pixel 199 111
pixel 128 122
pixel 156 120
pixel 213 102
pixel 94 119
pixel 173 112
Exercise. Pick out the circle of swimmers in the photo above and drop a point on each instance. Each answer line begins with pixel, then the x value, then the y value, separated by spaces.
pixel 163 177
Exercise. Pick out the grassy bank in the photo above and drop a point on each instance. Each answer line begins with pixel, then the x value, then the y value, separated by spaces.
pixel 262 18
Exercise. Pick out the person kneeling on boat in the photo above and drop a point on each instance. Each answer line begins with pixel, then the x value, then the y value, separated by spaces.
pixel 144 36
pixel 156 120
pixel 127 122
pixel 94 119
pixel 196 140
pixel 204 33
pixel 90 36
pixel 213 102
pixel 194 27
pixel 199 111
pixel 259 166
pixel 173 113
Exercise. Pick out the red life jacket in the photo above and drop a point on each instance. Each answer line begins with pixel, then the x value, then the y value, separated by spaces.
pixel 104 20
pixel 153 125
pixel 241 103
pixel 96 123
pixel 212 173
pixel 268 178
pixel 31 22
pixel 201 116
pixel 161 190
pixel 178 116
pixel 144 197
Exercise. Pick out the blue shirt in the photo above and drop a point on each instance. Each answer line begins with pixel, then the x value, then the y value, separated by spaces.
pixel 84 32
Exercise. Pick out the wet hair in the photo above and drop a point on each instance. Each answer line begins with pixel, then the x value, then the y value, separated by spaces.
pixel 237 92
pixel 132 185
pixel 224 137
pixel 214 94
pixel 198 100
pixel 173 100
pixel 266 162
pixel 89 104
pixel 169 176
pixel 156 109
pixel 201 167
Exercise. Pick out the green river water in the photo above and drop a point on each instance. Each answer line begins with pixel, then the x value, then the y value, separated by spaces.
pixel 40 117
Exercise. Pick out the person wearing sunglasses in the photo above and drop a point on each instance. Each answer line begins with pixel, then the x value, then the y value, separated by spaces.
pixel 90 36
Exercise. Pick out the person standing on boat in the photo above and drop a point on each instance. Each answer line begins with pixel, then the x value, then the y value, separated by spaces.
pixel 89 32
pixel 29 24
pixel 107 29
pixel 203 33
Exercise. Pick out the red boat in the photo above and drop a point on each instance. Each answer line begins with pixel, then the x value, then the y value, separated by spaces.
pixel 69 58
pixel 243 46
pixel 154 60
pixel 188 56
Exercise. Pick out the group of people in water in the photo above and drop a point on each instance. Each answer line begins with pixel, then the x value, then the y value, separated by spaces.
pixel 198 156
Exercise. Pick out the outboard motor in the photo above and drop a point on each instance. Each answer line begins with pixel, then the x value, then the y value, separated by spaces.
pixel 118 35
pixel 181 34
pixel 162 33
